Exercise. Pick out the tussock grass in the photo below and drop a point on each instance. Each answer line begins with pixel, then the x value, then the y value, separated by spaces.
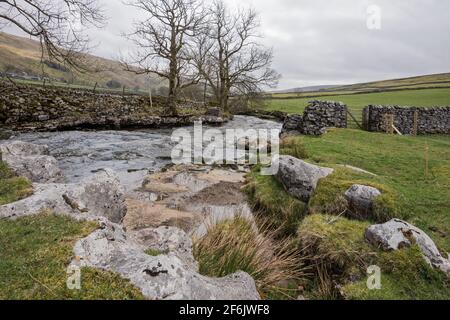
pixel 329 197
pixel 289 146
pixel 273 205
pixel 12 188
pixel 339 256
pixel 34 255
pixel 336 249
pixel 236 245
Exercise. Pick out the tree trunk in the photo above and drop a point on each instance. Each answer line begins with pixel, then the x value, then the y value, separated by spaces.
pixel 172 98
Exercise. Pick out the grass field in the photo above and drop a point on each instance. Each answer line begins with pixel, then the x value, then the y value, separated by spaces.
pixel 334 245
pixel 357 102
pixel 423 82
pixel 399 162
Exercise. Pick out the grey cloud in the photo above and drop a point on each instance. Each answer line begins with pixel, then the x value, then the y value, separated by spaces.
pixel 327 41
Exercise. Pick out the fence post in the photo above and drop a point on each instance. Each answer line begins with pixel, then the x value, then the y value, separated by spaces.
pixel 427 160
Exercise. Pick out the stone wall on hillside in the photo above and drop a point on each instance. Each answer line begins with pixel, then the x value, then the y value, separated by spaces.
pixel 33 108
pixel 318 116
pixel 434 120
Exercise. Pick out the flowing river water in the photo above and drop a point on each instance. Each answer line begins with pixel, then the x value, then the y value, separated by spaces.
pixel 132 154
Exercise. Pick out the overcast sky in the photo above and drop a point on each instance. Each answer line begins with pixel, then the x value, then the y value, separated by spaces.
pixel 327 41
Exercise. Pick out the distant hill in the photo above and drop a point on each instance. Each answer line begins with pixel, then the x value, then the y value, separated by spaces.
pixel 306 89
pixel 441 80
pixel 21 57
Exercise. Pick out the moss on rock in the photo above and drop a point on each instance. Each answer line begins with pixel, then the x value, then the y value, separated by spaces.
pixel 273 204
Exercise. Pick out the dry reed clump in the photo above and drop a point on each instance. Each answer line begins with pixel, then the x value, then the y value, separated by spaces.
pixel 237 245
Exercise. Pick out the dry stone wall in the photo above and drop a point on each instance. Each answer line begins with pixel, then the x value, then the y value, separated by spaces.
pixel 318 116
pixel 33 108
pixel 408 120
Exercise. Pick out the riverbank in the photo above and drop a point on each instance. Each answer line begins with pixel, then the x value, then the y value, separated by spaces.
pixel 141 240
pixel 31 108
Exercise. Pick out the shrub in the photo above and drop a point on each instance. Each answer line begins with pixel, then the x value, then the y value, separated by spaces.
pixel 237 245
pixel 113 84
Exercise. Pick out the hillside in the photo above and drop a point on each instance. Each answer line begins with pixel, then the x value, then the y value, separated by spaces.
pixel 420 82
pixel 22 57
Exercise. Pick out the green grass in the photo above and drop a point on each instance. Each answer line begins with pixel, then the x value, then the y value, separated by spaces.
pixel 399 162
pixel 329 196
pixel 12 188
pixel 339 254
pixel 420 82
pixel 272 204
pixel 34 255
pixel 154 252
pixel 357 102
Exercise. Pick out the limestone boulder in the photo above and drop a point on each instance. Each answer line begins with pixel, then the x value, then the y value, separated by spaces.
pixel 164 277
pixel 101 196
pixel 361 200
pixel 299 177
pixel 167 240
pixel 31 161
pixel 397 234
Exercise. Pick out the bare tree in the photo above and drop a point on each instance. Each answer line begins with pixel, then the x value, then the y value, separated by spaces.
pixel 228 56
pixel 58 24
pixel 162 42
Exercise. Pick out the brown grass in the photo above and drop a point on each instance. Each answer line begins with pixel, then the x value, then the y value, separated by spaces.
pixel 236 245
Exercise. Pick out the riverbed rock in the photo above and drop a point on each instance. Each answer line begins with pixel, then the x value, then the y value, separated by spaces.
pixel 361 201
pixel 167 240
pixel 397 234
pixel 299 177
pixel 164 277
pixel 144 214
pixel 31 161
pixel 99 196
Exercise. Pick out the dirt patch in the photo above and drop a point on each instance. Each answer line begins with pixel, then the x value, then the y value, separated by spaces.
pixel 142 215
pixel 220 194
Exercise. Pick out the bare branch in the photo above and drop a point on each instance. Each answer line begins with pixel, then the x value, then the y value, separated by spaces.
pixel 58 24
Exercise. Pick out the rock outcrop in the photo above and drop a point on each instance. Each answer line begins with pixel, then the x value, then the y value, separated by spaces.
pixel 299 177
pixel 164 277
pixel 397 234
pixel 31 161
pixel 171 274
pixel 361 201
pixel 99 196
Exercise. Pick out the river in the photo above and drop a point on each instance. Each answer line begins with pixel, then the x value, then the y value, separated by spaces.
pixel 132 154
